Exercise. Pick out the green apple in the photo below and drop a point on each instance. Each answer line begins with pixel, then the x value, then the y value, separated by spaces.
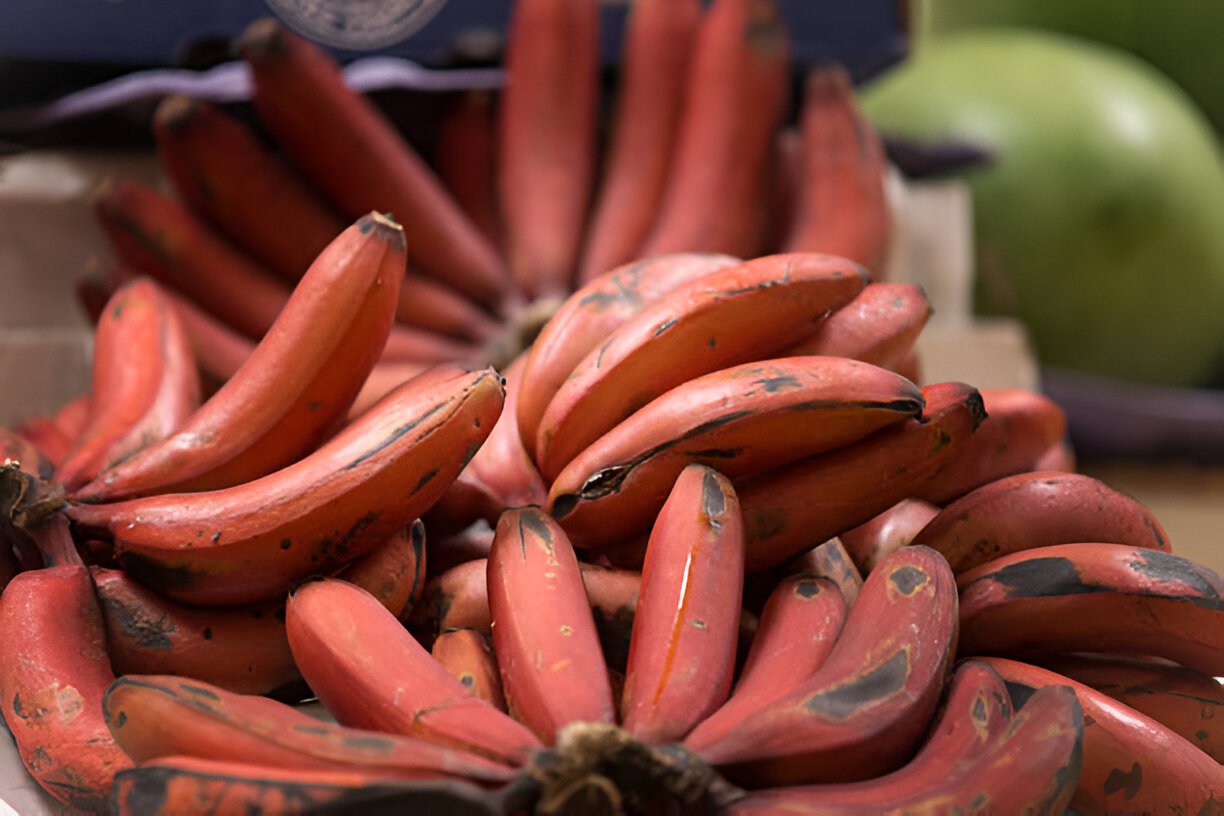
pixel 1101 222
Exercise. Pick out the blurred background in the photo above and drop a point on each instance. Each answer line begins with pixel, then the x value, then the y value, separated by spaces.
pixel 1059 176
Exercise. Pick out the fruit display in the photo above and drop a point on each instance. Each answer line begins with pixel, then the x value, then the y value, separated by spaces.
pixel 584 483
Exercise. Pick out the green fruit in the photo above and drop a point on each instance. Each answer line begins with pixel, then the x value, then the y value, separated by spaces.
pixel 1101 223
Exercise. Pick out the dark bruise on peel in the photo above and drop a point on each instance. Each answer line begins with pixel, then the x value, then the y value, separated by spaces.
pixel 807 589
pixel 713 500
pixel 1166 568
pixel 197 691
pixel 425 479
pixel 1018 693
pixel 627 294
pixel 782 382
pixel 530 522
pixel 1040 578
pixel 149 633
pixel 875 686
pixel 396 434
pixel 156 574
pixel 908 579
pixel 978 710
pixel 1128 783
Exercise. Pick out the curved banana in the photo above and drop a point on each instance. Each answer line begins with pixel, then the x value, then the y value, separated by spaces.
pixel 359 160
pixel 1019 429
pixel 250 542
pixel 295 388
pixel 153 716
pixel 468 656
pixel 1106 598
pixel 896 527
pixel 53 674
pixel 145 384
pixel 980 758
pixel 866 709
pixel 799 626
pixel 1038 509
pixel 552 667
pixel 222 172
pixel 685 631
pixel 1132 764
pixel 742 420
pixel 242 649
pixel 369 672
pixel 880 326
pixel 589 315
pixel 1187 702
pixel 789 509
pixel 730 316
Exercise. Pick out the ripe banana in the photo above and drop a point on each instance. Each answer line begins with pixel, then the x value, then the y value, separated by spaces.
pixel 1038 509
pixel 156 236
pixel 251 542
pixel 730 316
pixel 552 668
pixel 242 649
pixel 467 655
pixel 466 159
pixel 866 709
pixel 220 352
pixel 371 673
pixel 1020 428
pixel 799 626
pixel 658 42
pixel 735 97
pixel 587 317
pixel 359 160
pixel 224 174
pixel 897 527
pixel 297 385
pixel 1132 764
pixel 144 386
pixel 547 128
pixel 1187 702
pixel 1106 598
pixel 742 420
pixel 153 716
pixel 979 758
pixel 788 509
pixel 683 643
pixel 880 326
pixel 842 207
pixel 53 674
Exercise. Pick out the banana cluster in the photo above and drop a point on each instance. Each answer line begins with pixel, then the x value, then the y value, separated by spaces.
pixel 703 539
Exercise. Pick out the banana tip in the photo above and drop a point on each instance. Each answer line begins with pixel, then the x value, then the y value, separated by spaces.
pixel 265 37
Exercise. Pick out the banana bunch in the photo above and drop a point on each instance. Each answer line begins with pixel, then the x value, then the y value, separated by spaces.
pixel 702 540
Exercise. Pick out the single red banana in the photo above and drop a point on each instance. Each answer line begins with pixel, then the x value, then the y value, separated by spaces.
pixel 224 174
pixel 371 673
pixel 1187 702
pixel 593 312
pixel 789 509
pixel 158 237
pixel 880 326
pixel 1106 598
pixel 468 656
pixel 1132 764
pixel 658 41
pixel 1020 427
pixel 735 97
pixel 359 160
pixel 547 139
pixel 53 674
pixel 865 711
pixel 145 383
pixel 798 629
pixel 242 649
pixel 175 785
pixel 153 716
pixel 682 649
pixel 896 527
pixel 251 542
pixel 728 317
pixel 979 759
pixel 843 206
pixel 296 387
pixel 742 420
pixel 552 667
pixel 1038 509
pixel 466 159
